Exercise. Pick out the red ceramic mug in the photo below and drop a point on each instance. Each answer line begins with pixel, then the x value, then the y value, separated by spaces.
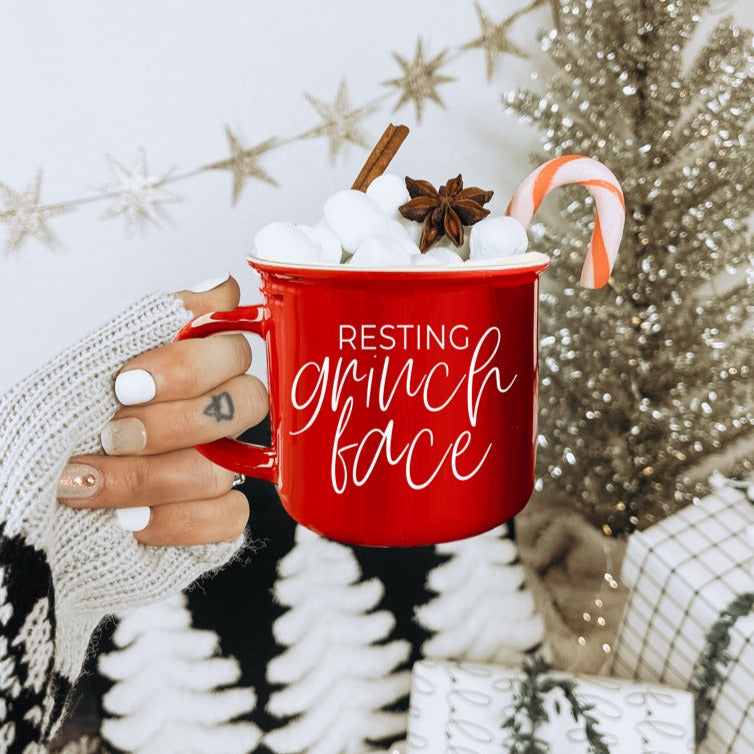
pixel 403 403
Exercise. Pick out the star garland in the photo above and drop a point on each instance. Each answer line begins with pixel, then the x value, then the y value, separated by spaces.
pixel 25 216
pixel 420 79
pixel 139 196
pixel 495 38
pixel 136 195
pixel 243 162
pixel 340 121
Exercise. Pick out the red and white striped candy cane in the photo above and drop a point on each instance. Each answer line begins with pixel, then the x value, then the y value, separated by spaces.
pixel 611 208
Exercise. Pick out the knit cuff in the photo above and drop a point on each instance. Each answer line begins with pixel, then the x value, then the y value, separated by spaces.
pixel 57 412
pixel 107 571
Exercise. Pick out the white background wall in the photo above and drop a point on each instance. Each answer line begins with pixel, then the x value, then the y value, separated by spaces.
pixel 81 79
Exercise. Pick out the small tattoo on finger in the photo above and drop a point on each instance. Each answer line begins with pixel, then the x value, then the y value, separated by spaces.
pixel 221 407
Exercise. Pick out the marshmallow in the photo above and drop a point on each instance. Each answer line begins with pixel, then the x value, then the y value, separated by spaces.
pixel 413 229
pixel 436 255
pixel 398 231
pixel 388 192
pixel 497 237
pixel 284 242
pixel 330 251
pixel 444 255
pixel 381 251
pixel 353 216
pixel 410 248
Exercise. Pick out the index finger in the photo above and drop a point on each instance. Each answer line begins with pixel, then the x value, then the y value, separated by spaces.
pixel 182 370
pixel 189 368
pixel 220 298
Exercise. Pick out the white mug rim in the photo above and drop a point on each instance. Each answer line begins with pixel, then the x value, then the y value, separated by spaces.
pixel 531 259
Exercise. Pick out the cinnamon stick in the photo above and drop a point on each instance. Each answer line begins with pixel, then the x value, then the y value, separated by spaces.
pixel 381 155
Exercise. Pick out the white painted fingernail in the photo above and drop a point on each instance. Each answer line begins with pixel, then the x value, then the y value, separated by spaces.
pixel 135 386
pixel 209 283
pixel 134 519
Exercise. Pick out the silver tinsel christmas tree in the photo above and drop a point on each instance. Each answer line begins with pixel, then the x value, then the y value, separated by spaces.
pixel 643 379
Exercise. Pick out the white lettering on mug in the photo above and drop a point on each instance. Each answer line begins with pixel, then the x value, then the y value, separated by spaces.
pixel 350 340
pixel 387 337
pixel 474 396
pixel 344 381
pixel 385 331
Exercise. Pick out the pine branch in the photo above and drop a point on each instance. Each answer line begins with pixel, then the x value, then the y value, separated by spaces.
pixel 530 712
pixel 709 672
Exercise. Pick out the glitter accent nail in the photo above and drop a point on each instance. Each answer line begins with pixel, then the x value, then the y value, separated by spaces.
pixel 78 480
pixel 122 437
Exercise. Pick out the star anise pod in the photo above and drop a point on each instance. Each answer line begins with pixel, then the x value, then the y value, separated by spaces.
pixel 444 212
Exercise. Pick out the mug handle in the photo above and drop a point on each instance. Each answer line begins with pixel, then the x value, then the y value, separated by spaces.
pixel 255 461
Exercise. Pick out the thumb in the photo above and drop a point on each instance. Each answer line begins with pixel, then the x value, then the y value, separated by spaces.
pixel 218 294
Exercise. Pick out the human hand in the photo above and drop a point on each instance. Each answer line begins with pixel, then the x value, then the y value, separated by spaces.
pixel 174 397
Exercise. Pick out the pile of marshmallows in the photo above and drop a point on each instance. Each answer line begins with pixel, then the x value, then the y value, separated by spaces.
pixel 367 230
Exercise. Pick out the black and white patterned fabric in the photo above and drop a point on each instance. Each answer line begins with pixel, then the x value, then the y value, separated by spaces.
pixel 63 570
pixel 32 697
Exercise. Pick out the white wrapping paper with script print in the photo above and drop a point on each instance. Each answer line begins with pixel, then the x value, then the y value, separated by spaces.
pixel 459 708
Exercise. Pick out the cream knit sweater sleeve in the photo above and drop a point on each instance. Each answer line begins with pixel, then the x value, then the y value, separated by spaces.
pixel 63 570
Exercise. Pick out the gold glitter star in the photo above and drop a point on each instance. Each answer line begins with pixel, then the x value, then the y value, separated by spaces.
pixel 243 163
pixel 420 79
pixel 25 216
pixel 340 121
pixel 495 39
pixel 136 195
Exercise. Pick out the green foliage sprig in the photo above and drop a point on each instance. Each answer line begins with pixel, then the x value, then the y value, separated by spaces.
pixel 709 671
pixel 529 711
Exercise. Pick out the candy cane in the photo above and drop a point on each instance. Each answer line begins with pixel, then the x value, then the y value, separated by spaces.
pixel 611 208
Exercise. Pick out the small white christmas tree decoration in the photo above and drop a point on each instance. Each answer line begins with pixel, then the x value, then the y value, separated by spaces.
pixel 337 677
pixel 173 694
pixel 482 611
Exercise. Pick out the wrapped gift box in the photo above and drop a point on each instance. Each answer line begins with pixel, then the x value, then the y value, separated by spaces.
pixel 459 708
pixel 682 573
